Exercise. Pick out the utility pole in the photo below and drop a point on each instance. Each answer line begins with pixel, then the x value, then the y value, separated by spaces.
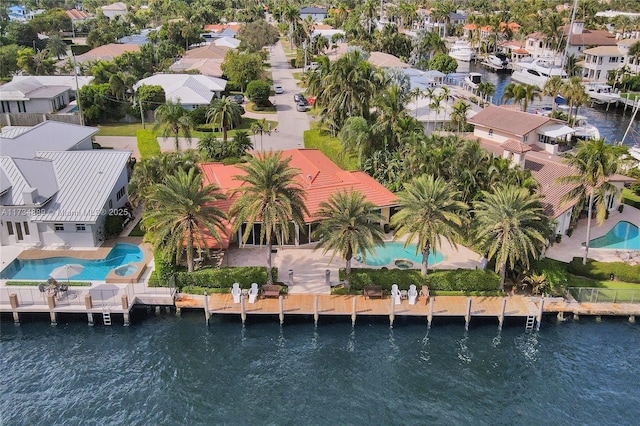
pixel 75 68
pixel 141 112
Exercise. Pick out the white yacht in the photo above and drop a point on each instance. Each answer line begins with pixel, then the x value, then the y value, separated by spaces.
pixel 472 80
pixel 498 62
pixel 584 130
pixel 602 93
pixel 462 51
pixel 536 71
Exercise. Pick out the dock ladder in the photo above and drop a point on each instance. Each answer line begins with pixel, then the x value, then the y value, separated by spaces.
pixel 531 321
pixel 106 315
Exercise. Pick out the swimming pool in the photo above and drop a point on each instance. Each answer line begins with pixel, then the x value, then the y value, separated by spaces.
pixel 623 235
pixel 94 269
pixel 395 250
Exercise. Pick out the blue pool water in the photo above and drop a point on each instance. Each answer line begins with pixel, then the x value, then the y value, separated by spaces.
pixel 395 250
pixel 624 235
pixel 74 109
pixel 40 269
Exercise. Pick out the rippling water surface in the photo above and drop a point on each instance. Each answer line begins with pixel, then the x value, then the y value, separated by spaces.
pixel 168 370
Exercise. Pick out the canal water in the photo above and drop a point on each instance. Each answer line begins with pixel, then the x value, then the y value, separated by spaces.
pixel 612 124
pixel 172 371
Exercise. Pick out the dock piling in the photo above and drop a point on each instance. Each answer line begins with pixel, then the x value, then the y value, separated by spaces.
pixel 353 314
pixel 13 301
pixel 90 318
pixel 467 317
pixel 281 315
pixel 539 319
pixel 392 315
pixel 316 314
pixel 632 318
pixel 243 310
pixel 206 307
pixel 501 316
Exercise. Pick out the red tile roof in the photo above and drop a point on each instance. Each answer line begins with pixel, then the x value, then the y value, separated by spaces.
pixel 319 176
pixel 590 37
pixel 515 146
pixel 218 28
pixel 77 15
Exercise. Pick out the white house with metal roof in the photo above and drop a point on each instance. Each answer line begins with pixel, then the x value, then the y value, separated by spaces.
pixel 40 94
pixel 54 189
pixel 191 90
pixel 317 14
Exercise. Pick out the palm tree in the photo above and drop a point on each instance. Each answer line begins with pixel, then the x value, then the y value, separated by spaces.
pixel 260 126
pixel 510 226
pixel 634 55
pixel 390 106
pixel 349 224
pixel 291 15
pixel 56 46
pixel 529 94
pixel 175 119
pixel 436 105
pixel 183 215
pixel 429 209
pixel 594 161
pixel 552 88
pixel 459 112
pixel 271 195
pixel 508 92
pixel 225 114
pixel 356 138
pixel 486 90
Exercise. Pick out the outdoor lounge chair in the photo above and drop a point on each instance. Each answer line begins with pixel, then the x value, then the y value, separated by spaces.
pixel 425 292
pixel 412 294
pixel 395 294
pixel 253 293
pixel 236 292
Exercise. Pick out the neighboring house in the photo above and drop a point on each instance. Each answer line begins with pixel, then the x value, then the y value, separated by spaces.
pixel 502 132
pixel 326 31
pixel 319 177
pixel 218 31
pixel 78 16
pixel 426 21
pixel 205 59
pixel 41 94
pixel 633 64
pixel 191 90
pixel 580 39
pixel 231 43
pixel 386 60
pixel 106 53
pixel 598 61
pixel 54 189
pixel 114 9
pixel 21 14
pixel 317 14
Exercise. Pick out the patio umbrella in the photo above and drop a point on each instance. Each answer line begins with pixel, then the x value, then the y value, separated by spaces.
pixel 66 271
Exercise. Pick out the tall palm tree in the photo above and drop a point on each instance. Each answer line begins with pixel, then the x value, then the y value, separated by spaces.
pixel 183 215
pixel 224 113
pixel 356 138
pixel 634 55
pixel 553 87
pixel 271 195
pixel 261 127
pixel 529 94
pixel 459 112
pixel 390 106
pixel 175 119
pixel 291 15
pixel 594 161
pixel 349 224
pixel 510 226
pixel 430 209
pixel 57 46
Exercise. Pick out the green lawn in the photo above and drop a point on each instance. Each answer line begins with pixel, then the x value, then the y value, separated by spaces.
pixel 130 129
pixel 630 197
pixel 632 95
pixel 137 231
pixel 329 146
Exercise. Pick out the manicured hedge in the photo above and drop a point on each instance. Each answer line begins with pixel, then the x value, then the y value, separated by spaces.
pixel 628 197
pixel 603 270
pixel 448 280
pixel 225 277
pixel 147 144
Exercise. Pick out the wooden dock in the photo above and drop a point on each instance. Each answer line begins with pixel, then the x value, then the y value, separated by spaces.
pixel 354 306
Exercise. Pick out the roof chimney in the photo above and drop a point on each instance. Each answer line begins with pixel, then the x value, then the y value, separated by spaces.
pixel 577 27
pixel 29 196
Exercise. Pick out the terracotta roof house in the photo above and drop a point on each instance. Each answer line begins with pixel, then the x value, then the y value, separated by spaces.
pixel 386 60
pixel 511 134
pixel 107 52
pixel 77 15
pixel 114 9
pixel 205 59
pixel 319 177
pixel 55 189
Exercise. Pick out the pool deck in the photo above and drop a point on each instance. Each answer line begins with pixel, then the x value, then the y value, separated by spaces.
pixel 571 247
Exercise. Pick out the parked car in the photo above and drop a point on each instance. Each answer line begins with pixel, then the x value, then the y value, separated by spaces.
pixel 311 66
pixel 298 97
pixel 301 106
pixel 237 99
pixel 278 89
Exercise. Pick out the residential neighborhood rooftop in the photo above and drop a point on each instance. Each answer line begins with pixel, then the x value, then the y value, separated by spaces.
pixel 25 142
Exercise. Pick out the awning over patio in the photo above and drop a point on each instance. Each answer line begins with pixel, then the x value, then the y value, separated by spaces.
pixel 556 131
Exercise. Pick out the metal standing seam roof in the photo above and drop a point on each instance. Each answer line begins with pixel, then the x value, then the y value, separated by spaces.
pixel 22 174
pixel 190 89
pixel 50 135
pixel 85 180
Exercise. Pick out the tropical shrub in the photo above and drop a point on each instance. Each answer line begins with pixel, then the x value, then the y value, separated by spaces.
pixel 225 277
pixel 603 270
pixel 164 268
pixel 258 92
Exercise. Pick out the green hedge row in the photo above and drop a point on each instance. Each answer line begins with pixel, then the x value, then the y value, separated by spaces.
pixel 225 277
pixel 147 144
pixel 464 280
pixel 603 270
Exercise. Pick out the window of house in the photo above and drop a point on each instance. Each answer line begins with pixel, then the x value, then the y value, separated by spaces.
pixel 525 138
pixel 10 228
pixel 80 227
pixel 21 106
pixel 5 106
pixel 58 227
pixel 26 228
pixel 120 193
pixel 110 204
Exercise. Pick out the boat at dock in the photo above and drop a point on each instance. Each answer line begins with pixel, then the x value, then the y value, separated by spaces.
pixel 462 51
pixel 472 81
pixel 601 93
pixel 537 71
pixel 498 62
pixel 584 130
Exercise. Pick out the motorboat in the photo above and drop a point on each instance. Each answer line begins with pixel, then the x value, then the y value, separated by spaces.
pixel 584 130
pixel 634 151
pixel 537 71
pixel 498 62
pixel 472 80
pixel 462 51
pixel 602 93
